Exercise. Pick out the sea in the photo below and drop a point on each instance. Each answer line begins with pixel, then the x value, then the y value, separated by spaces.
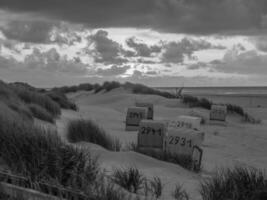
pixel 218 90
pixel 243 96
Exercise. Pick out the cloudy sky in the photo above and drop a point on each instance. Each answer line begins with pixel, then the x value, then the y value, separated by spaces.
pixel 155 42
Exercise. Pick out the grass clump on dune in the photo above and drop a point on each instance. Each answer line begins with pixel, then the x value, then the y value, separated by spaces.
pixel 179 193
pixel 42 156
pixel 205 103
pixel 40 113
pixel 75 88
pixel 134 181
pixel 86 130
pixel 109 192
pixel 239 183
pixel 196 102
pixel 131 179
pixel 62 100
pixel 22 110
pixel 142 89
pixel 156 187
pixel 108 86
pixel 42 100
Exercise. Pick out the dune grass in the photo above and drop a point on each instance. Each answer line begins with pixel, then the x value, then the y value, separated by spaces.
pixel 142 89
pixel 22 110
pixel 130 178
pixel 156 186
pixel 108 86
pixel 8 197
pixel 134 181
pixel 240 183
pixel 196 102
pixel 42 100
pixel 205 103
pixel 42 156
pixel 30 102
pixel 75 88
pixel 86 130
pixel 40 113
pixel 179 193
pixel 61 100
pixel 109 192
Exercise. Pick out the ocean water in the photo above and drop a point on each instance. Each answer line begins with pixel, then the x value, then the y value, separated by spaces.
pixel 254 97
pixel 235 91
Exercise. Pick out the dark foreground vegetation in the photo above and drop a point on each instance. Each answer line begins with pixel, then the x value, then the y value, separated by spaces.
pixel 134 181
pixel 41 156
pixel 239 183
pixel 7 197
pixel 86 130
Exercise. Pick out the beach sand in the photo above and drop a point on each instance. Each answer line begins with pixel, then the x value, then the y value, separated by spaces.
pixel 236 144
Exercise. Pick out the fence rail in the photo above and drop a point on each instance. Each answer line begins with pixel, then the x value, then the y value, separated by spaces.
pixel 53 190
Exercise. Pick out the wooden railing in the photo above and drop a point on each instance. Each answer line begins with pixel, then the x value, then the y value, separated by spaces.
pixel 53 190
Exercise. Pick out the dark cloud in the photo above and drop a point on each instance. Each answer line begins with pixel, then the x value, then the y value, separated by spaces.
pixel 128 53
pixel 52 61
pixel 175 52
pixel 190 16
pixel 106 50
pixel 248 63
pixel 198 65
pixel 28 31
pixel 143 61
pixel 141 48
pixel 113 71
pixel 151 73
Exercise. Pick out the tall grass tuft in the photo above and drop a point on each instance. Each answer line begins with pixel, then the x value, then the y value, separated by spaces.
pixel 131 179
pixel 239 183
pixel 196 102
pixel 40 113
pixel 86 130
pixel 108 192
pixel 42 156
pixel 156 186
pixel 179 193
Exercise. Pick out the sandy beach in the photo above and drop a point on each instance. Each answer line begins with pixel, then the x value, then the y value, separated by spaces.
pixel 238 143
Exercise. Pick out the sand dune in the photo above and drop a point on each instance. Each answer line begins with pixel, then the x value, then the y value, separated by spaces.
pixel 238 143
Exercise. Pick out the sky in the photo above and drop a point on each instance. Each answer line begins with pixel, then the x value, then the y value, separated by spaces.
pixel 167 43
